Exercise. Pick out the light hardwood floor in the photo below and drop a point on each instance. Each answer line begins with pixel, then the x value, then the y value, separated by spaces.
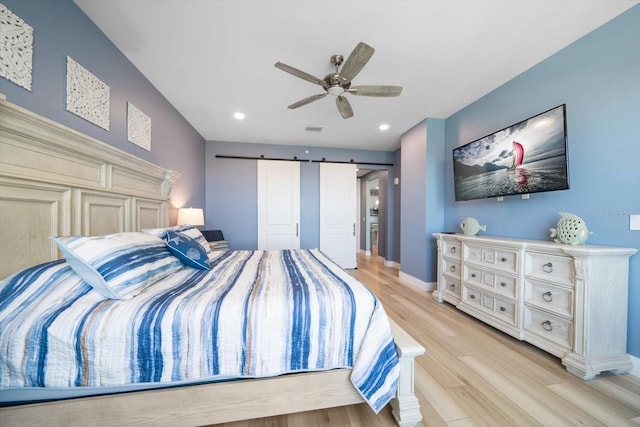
pixel 474 375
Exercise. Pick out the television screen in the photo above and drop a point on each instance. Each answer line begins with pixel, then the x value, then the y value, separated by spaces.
pixel 527 157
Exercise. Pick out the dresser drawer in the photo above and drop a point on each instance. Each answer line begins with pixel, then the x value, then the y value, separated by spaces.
pixel 451 287
pixel 501 283
pixel 473 297
pixel 549 326
pixel 451 248
pixel 473 275
pixel 549 297
pixel 451 267
pixel 506 310
pixel 553 268
pixel 498 308
pixel 503 259
pixel 506 285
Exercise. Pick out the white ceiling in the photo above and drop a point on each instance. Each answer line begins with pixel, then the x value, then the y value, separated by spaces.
pixel 211 58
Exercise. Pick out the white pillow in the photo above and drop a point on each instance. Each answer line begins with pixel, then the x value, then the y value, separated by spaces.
pixel 120 265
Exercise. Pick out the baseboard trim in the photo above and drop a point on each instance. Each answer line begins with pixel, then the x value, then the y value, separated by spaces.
pixel 635 371
pixel 420 284
pixel 392 264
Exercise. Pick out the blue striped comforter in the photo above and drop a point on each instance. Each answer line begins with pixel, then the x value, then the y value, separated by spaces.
pixel 254 314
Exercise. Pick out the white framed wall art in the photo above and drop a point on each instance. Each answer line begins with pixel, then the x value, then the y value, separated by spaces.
pixel 138 127
pixel 87 96
pixel 16 48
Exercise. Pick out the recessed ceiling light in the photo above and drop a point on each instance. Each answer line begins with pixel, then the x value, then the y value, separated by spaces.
pixel 383 126
pixel 238 115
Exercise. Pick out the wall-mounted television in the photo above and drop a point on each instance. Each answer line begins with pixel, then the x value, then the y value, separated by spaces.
pixel 527 157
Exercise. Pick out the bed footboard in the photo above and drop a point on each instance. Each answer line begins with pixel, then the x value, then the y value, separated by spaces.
pixel 225 402
pixel 406 408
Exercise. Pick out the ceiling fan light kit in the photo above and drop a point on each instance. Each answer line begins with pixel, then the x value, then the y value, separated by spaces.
pixel 338 83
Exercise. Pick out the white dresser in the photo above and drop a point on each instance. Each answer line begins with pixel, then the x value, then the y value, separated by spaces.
pixel 570 301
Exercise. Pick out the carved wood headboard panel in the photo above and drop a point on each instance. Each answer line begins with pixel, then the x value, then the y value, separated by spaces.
pixel 56 181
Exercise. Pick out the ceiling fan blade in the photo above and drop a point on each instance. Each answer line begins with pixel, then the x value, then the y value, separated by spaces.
pixel 344 107
pixel 375 90
pixel 307 100
pixel 356 60
pixel 299 73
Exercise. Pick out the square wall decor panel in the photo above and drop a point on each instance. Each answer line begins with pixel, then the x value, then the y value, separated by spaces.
pixel 138 127
pixel 87 96
pixel 16 48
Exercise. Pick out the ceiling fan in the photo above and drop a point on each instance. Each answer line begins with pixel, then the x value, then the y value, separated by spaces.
pixel 339 82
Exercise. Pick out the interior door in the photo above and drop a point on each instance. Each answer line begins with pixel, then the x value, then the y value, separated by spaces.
pixel 338 212
pixel 278 204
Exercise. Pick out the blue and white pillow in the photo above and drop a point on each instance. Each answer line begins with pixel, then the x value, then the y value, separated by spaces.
pixel 188 230
pixel 121 265
pixel 187 249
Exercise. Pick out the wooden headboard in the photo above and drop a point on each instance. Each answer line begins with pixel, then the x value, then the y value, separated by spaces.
pixel 55 181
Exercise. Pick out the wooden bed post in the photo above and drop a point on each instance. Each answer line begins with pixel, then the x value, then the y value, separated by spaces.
pixel 406 408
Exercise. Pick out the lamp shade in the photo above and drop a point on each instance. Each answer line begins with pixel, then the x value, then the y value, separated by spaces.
pixel 190 216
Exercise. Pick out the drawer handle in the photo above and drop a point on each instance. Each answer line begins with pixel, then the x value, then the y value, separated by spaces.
pixel 503 259
pixel 503 284
pixel 472 296
pixel 452 287
pixel 548 268
pixel 547 296
pixel 503 309
pixel 546 325
pixel 452 268
pixel 453 250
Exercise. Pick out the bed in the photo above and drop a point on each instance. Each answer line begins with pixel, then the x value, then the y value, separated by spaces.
pixel 94 190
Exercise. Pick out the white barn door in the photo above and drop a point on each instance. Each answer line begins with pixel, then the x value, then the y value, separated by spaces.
pixel 278 204
pixel 338 212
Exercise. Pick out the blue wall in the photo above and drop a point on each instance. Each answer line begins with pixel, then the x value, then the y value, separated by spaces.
pixel 61 29
pixel 413 205
pixel 232 188
pixel 421 202
pixel 435 196
pixel 598 77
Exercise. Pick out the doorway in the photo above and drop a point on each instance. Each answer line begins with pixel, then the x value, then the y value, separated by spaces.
pixel 373 212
